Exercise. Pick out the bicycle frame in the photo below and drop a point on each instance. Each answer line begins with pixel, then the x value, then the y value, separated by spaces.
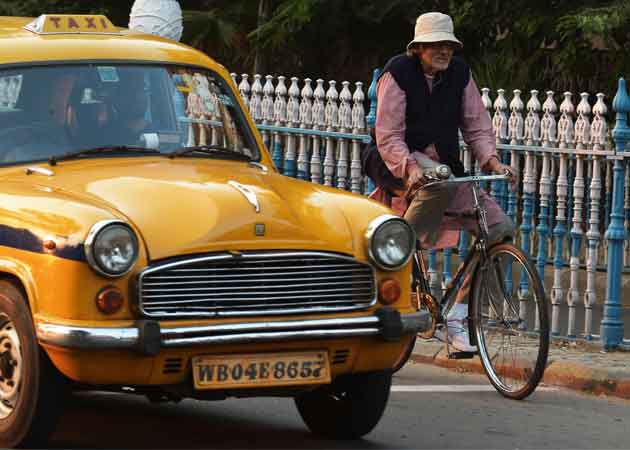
pixel 474 257
pixel 490 277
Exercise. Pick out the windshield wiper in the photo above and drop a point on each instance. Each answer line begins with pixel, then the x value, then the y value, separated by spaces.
pixel 53 160
pixel 219 152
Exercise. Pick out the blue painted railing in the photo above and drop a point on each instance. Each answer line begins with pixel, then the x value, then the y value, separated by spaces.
pixel 612 325
pixel 572 207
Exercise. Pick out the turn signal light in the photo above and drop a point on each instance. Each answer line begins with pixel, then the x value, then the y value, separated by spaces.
pixel 109 300
pixel 388 291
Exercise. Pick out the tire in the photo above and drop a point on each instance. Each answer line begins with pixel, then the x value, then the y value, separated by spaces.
pixel 404 357
pixel 511 324
pixel 349 408
pixel 30 408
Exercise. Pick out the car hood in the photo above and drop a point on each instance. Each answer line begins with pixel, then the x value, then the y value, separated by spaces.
pixel 192 205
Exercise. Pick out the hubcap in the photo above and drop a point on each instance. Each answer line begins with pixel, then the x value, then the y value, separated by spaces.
pixel 10 366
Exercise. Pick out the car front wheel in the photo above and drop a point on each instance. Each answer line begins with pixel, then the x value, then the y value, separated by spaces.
pixel 31 389
pixel 349 408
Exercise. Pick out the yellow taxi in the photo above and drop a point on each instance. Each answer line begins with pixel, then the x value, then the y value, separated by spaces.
pixel 148 245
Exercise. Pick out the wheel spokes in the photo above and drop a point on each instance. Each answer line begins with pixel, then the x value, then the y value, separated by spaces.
pixel 510 352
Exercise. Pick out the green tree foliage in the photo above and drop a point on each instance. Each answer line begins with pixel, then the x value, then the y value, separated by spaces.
pixel 576 45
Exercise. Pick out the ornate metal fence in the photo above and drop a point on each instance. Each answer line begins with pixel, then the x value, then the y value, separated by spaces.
pixel 572 207
pixel 314 134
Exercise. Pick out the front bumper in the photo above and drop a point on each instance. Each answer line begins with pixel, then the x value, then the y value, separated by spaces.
pixel 147 337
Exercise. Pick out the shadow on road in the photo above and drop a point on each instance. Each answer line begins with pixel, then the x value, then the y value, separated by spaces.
pixel 97 420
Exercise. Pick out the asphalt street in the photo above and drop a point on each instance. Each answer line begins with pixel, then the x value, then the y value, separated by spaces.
pixel 429 407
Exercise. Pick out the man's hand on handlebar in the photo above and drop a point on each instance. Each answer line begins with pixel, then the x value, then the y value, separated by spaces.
pixel 415 180
pixel 495 166
pixel 414 175
pixel 417 177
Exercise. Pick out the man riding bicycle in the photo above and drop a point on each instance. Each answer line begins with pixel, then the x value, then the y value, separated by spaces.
pixel 425 97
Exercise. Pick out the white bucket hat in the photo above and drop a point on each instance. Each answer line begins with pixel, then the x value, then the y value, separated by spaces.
pixel 434 27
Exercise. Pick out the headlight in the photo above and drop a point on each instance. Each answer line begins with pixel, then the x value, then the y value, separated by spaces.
pixel 391 242
pixel 111 248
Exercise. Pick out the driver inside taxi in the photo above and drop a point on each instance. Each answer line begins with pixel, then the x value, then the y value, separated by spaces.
pixel 109 114
pixel 80 112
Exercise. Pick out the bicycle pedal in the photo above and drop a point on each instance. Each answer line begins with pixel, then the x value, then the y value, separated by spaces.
pixel 462 355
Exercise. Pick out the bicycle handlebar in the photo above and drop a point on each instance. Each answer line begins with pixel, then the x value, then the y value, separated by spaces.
pixel 471 179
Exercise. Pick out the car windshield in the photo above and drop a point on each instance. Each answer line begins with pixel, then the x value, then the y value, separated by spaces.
pixel 50 111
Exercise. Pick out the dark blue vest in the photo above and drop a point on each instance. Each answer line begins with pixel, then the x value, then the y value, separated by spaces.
pixel 432 117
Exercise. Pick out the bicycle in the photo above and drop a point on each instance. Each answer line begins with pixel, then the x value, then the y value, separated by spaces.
pixel 507 301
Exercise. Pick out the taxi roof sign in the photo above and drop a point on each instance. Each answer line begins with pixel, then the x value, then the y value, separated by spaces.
pixel 71 23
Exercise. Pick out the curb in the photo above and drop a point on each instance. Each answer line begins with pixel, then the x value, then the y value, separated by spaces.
pixel 571 375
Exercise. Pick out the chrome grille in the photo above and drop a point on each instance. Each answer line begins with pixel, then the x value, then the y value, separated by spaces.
pixel 247 284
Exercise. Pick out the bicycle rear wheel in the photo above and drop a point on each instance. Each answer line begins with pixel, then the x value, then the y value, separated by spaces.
pixel 511 323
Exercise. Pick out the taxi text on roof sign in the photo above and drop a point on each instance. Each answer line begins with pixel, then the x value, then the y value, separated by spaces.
pixel 71 23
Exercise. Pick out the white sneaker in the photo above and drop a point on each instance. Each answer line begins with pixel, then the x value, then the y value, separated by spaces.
pixel 457 335
pixel 459 311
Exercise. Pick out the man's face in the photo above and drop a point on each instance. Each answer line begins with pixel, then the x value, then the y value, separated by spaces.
pixel 436 56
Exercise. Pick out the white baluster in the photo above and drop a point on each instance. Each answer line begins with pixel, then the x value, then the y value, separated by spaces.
pixel 583 123
pixel 244 88
pixel 548 122
pixel 280 102
pixel 234 77
pixel 358 127
pixel 500 119
pixel 527 226
pixel 345 126
pixel 573 296
pixel 515 131
pixel 565 130
pixel 557 292
pixel 319 123
pixel 293 105
pixel 565 125
pixel 255 102
pixel 280 118
pixel 218 133
pixel 191 111
pixel 486 100
pixel 267 108
pixel 542 230
pixel 599 128
pixel 306 104
pixel 293 120
pixel 332 121
pixel 516 122
pixel 306 122
pixel 593 237
pixel 532 122
pixel 500 126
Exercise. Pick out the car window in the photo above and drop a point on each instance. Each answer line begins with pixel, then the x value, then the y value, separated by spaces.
pixel 46 111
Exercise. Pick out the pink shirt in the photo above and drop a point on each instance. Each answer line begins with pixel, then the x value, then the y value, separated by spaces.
pixel 476 130
pixel 390 134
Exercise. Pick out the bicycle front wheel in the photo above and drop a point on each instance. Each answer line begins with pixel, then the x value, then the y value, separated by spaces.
pixel 511 323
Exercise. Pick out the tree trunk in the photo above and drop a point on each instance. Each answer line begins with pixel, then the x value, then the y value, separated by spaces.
pixel 264 7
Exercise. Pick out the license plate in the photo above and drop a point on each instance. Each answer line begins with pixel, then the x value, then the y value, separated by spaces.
pixel 264 369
